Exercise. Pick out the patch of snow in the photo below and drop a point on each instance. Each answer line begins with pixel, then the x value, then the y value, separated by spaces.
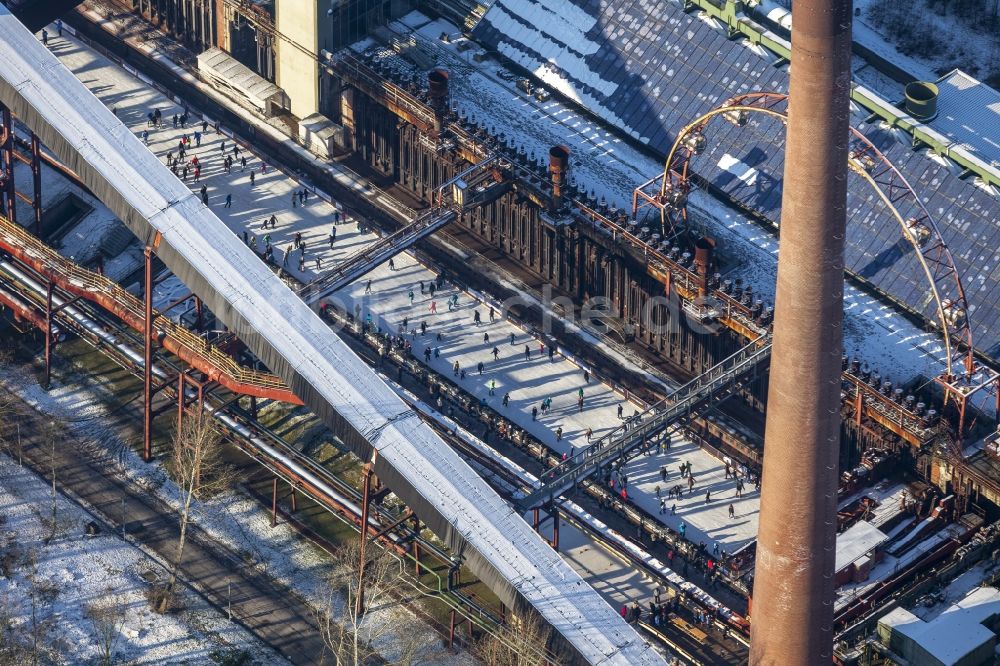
pixel 80 569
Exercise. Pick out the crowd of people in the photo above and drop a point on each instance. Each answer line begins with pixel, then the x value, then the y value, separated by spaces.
pixel 187 163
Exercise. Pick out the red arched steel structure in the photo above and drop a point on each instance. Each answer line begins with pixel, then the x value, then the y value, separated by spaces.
pixel 668 192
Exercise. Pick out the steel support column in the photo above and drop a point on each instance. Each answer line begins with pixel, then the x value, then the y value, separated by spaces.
pixel 796 545
pixel 415 544
pixel 366 488
pixel 36 183
pixel 555 529
pixel 181 385
pixel 147 369
pixel 451 629
pixel 8 197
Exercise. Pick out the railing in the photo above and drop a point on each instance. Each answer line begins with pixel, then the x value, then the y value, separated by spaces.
pixel 96 288
pixel 714 384
pixel 377 253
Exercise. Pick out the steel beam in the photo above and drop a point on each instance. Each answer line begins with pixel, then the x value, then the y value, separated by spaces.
pixel 796 544
pixel 8 197
pixel 36 183
pixel 147 356
pixel 366 488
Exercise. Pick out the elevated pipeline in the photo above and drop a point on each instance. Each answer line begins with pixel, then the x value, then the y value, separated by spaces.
pixel 193 350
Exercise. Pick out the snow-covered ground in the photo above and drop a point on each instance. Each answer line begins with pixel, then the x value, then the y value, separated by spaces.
pixel 933 45
pixel 73 571
pixel 90 234
pixel 231 518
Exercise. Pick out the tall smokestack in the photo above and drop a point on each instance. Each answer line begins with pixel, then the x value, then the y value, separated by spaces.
pixel 792 621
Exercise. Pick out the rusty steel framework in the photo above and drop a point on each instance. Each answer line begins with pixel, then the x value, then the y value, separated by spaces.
pixel 963 376
pixel 79 283
pixel 9 194
pixel 334 495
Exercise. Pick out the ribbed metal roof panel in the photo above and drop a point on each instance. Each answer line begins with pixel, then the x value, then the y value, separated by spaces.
pixel 650 68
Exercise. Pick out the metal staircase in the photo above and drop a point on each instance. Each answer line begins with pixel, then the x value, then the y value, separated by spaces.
pixel 711 387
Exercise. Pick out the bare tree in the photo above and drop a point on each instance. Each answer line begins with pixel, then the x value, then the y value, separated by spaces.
pixel 522 641
pixel 51 432
pixel 199 472
pixel 10 428
pixel 351 636
pixel 107 615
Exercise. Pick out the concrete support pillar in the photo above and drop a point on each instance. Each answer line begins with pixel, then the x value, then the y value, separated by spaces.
pixel 792 622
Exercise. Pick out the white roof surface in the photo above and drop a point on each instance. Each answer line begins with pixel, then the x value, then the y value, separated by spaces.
pixel 91 134
pixel 969 113
pixel 857 540
pixel 956 631
pixel 232 73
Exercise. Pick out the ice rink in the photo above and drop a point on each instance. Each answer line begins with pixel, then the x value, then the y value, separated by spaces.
pixel 528 380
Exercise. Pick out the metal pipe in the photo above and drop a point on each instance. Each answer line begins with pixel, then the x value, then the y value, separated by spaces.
pixel 792 620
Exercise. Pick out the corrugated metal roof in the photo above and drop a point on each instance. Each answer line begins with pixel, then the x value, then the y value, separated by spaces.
pixel 230 72
pixel 649 68
pixel 969 113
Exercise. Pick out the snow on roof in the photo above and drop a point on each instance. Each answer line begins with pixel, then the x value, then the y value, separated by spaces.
pixel 295 343
pixel 648 68
pixel 857 540
pixel 969 113
pixel 955 632
pixel 233 74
